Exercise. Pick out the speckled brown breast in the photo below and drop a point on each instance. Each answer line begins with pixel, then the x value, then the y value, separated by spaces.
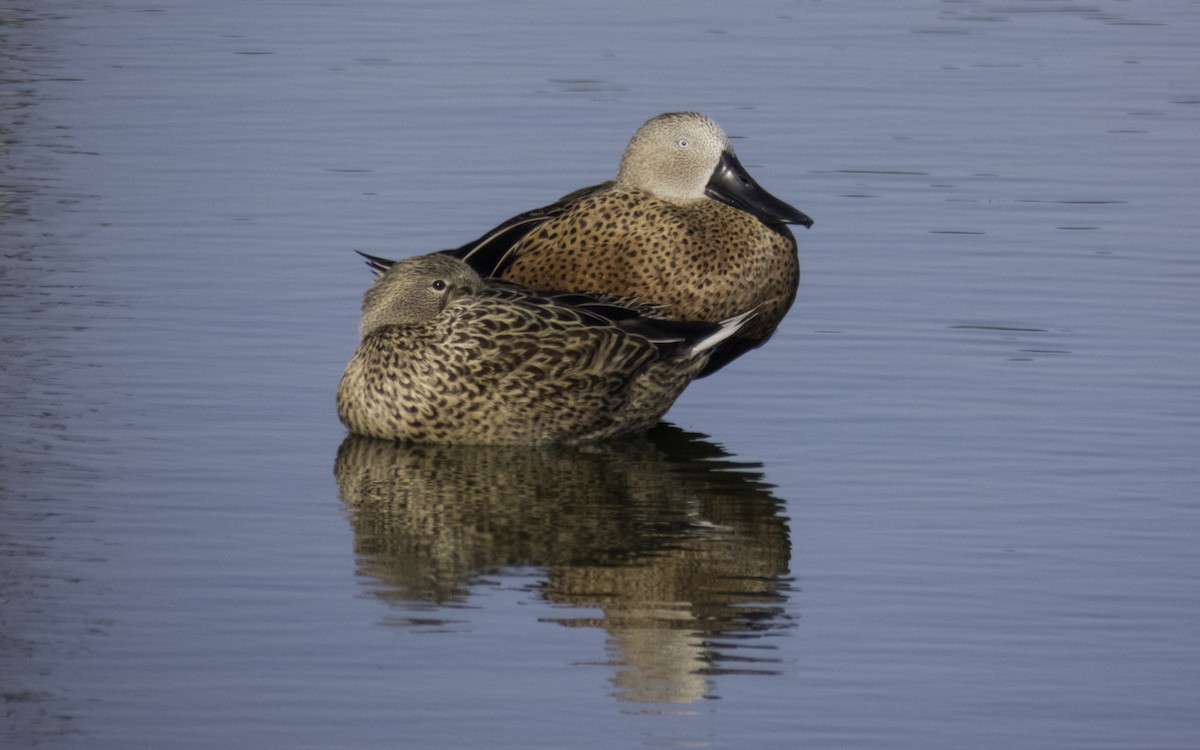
pixel 700 261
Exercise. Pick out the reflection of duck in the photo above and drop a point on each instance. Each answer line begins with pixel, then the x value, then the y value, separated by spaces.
pixel 675 543
pixel 683 226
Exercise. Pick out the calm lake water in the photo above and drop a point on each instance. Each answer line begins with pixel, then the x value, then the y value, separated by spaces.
pixel 954 503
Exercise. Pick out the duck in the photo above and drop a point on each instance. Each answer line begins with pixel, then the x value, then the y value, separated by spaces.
pixel 446 356
pixel 683 227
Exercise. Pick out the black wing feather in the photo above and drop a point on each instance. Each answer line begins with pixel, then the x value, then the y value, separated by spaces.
pixel 492 253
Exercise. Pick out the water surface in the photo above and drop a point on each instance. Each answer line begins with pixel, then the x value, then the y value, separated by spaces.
pixel 952 503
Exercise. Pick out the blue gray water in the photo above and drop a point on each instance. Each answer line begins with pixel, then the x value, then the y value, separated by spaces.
pixel 953 503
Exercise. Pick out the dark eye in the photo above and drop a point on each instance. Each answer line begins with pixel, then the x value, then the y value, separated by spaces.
pixel 682 143
pixel 438 285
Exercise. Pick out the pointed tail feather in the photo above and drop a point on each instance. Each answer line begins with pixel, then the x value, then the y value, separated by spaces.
pixel 378 265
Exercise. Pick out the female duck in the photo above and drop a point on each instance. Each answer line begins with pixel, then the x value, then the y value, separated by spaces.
pixel 447 357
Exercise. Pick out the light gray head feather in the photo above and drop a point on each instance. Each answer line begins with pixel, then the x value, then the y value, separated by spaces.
pixel 673 156
pixel 415 290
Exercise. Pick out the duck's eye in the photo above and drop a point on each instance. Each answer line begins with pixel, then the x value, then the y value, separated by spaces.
pixel 438 285
pixel 682 143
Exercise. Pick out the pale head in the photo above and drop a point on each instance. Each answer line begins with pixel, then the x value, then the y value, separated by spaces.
pixel 673 156
pixel 416 290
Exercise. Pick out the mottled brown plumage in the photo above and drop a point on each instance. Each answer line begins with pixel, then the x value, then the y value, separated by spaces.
pixel 447 357
pixel 683 227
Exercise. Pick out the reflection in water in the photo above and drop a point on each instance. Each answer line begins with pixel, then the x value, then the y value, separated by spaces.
pixel 682 550
pixel 46 309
